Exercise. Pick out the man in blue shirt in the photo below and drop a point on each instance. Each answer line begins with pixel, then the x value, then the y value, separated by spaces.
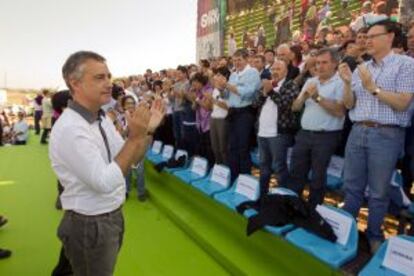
pixel 244 82
pixel 378 94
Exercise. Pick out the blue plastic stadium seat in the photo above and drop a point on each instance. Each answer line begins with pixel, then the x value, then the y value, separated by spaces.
pixel 254 156
pixel 218 181
pixel 167 153
pixel 375 267
pixel 178 154
pixel 233 196
pixel 334 178
pixel 155 150
pixel 196 171
pixel 277 230
pixel 334 254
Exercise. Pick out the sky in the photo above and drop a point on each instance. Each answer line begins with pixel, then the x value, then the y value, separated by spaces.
pixel 36 37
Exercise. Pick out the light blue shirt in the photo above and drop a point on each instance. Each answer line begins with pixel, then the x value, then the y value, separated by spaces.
pixel 247 82
pixel 315 117
pixel 395 74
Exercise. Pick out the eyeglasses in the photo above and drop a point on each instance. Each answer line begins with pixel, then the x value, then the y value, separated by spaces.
pixel 375 35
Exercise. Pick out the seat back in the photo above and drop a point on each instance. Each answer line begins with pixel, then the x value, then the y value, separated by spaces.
pixel 336 167
pixel 343 225
pixel 167 151
pixel 199 166
pixel 248 186
pixel 220 174
pixel 282 191
pixel 156 147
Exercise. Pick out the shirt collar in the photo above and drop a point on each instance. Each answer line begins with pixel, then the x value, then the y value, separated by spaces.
pixel 89 116
pixel 244 70
pixel 385 60
pixel 333 78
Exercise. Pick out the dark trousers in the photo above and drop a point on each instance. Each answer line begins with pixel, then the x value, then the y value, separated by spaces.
pixel 91 243
pixel 312 151
pixel 45 133
pixel 20 143
pixel 205 147
pixel 37 118
pixel 177 123
pixel 190 139
pixel 240 124
pixel 273 159
pixel 218 138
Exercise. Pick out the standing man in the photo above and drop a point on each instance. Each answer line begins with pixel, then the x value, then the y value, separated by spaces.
pixel 91 160
pixel 277 125
pixel 47 111
pixel 240 90
pixel 378 94
pixel 322 123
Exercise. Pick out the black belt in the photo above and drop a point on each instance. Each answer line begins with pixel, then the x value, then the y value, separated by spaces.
pixel 376 125
pixel 73 213
pixel 235 110
pixel 323 131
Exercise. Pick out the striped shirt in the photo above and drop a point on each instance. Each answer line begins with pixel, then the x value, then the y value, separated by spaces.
pixel 395 73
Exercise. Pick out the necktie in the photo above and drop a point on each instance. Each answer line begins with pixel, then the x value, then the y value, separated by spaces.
pixel 105 138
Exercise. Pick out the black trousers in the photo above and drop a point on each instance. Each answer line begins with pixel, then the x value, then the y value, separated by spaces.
pixel 312 151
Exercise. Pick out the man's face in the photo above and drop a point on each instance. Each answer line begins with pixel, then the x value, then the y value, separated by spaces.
pixel 94 87
pixel 222 62
pixel 325 66
pixel 361 40
pixel 279 70
pixel 258 64
pixel 284 54
pixel 179 75
pixel 378 40
pixel 270 57
pixel 239 62
pixel 352 50
pixel 410 39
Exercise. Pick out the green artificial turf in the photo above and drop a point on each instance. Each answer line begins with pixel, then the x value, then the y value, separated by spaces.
pixel 153 244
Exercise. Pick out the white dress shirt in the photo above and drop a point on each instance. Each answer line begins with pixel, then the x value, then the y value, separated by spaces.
pixel 79 157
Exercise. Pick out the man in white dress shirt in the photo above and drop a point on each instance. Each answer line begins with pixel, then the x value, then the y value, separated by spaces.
pixel 91 160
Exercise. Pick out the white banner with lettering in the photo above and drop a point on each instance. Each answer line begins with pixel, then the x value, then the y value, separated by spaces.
pixel 400 256
pixel 199 166
pixel 248 186
pixel 220 175
pixel 167 152
pixel 156 147
pixel 340 223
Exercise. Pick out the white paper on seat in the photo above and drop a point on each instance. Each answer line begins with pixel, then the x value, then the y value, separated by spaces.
pixel 167 152
pixel 336 166
pixel 220 175
pixel 199 166
pixel 247 186
pixel 180 153
pixel 400 256
pixel 340 223
pixel 156 147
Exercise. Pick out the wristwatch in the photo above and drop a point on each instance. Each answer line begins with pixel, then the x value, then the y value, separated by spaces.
pixel 318 99
pixel 376 91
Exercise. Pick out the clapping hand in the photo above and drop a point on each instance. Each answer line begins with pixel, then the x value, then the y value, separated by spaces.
pixel 366 78
pixel 345 72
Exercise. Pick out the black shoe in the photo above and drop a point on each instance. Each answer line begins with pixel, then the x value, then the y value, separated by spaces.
pixel 43 142
pixel 58 204
pixel 4 253
pixel 3 221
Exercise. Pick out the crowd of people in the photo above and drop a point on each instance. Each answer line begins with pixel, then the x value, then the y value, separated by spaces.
pixel 351 98
pixel 346 92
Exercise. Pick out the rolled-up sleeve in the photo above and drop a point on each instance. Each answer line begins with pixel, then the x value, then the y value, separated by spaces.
pixel 87 163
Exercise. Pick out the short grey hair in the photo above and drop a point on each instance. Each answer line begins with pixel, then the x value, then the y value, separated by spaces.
pixel 73 67
pixel 331 51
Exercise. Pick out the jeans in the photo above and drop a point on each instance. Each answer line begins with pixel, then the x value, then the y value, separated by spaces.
pixel 312 151
pixel 177 128
pixel 139 170
pixel 273 158
pixel 240 124
pixel 370 158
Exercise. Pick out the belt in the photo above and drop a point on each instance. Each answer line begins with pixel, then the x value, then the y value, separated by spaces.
pixel 73 213
pixel 240 109
pixel 375 124
pixel 322 131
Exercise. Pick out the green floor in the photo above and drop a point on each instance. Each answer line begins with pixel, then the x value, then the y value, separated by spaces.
pixel 153 245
